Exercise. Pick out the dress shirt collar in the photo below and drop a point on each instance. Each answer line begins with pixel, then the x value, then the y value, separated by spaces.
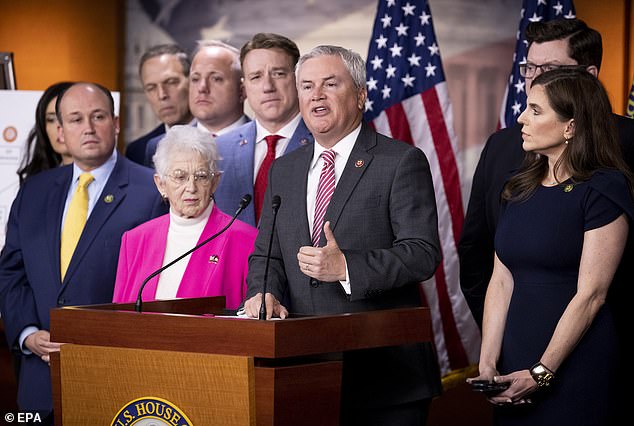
pixel 239 122
pixel 285 132
pixel 101 173
pixel 343 148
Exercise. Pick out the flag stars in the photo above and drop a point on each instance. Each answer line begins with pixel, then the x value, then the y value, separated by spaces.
pixel 386 91
pixel 376 62
pixel 541 2
pixel 368 105
pixel 430 69
pixel 390 71
pixel 420 40
pixel 408 81
pixel 372 84
pixel 396 50
pixel 570 15
pixel 386 20
pixel 519 86
pixel 381 42
pixel 424 18
pixel 433 49
pixel 408 9
pixel 517 108
pixel 535 17
pixel 559 9
pixel 414 61
pixel 391 3
pixel 402 29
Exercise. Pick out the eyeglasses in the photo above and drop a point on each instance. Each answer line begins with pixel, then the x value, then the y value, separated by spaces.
pixel 529 70
pixel 201 177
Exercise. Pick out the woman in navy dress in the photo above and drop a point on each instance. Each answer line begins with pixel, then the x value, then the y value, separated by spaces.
pixel 547 329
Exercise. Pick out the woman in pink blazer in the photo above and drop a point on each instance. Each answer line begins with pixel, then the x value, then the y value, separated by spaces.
pixel 186 176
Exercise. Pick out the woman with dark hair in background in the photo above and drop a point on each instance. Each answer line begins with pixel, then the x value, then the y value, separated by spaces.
pixel 43 150
pixel 548 332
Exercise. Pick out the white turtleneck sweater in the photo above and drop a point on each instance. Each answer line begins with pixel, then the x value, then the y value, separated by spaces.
pixel 183 234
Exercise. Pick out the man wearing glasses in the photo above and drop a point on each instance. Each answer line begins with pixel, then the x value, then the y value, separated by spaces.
pixel 552 44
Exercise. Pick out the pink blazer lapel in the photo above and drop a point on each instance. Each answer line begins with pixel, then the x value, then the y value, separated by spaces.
pixel 203 264
pixel 153 247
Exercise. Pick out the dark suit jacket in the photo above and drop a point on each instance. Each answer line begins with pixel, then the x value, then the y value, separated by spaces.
pixel 30 267
pixel 237 149
pixel 383 215
pixel 501 157
pixel 135 150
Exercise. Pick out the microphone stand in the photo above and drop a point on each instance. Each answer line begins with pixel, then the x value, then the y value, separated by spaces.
pixel 275 203
pixel 244 202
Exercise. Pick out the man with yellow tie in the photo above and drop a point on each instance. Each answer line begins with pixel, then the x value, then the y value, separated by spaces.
pixel 64 233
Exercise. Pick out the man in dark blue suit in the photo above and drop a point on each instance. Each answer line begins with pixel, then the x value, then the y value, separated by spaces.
pixel 268 63
pixel 35 273
pixel 164 73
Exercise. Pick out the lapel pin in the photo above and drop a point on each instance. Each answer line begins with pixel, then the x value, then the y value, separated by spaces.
pixel 568 187
pixel 108 198
pixel 303 141
pixel 243 142
pixel 359 163
pixel 213 259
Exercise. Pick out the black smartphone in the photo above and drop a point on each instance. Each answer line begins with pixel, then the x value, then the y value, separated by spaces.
pixel 486 386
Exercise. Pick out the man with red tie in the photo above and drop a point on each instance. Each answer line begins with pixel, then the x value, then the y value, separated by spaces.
pixel 357 230
pixel 268 65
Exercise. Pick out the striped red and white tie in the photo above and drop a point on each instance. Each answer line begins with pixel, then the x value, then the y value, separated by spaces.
pixel 325 189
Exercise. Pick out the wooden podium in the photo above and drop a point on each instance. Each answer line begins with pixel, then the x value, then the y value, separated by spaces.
pixel 214 369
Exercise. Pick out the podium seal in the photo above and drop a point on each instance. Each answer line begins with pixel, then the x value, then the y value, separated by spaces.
pixel 150 410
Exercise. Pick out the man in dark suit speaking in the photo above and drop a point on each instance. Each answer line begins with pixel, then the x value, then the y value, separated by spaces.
pixel 357 231
pixel 64 233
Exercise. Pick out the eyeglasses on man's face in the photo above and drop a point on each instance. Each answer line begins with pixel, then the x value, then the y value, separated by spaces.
pixel 528 69
pixel 201 177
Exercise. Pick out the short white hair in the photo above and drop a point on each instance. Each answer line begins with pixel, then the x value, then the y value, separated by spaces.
pixel 181 138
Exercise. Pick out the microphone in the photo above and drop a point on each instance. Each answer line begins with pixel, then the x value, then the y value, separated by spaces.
pixel 275 204
pixel 244 202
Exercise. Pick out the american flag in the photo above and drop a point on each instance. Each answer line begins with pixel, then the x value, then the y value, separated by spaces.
pixel 532 11
pixel 408 100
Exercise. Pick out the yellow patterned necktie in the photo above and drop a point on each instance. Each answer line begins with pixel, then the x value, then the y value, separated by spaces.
pixel 75 221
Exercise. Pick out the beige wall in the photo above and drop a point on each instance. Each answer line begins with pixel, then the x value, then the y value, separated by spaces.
pixel 63 40
pixel 614 20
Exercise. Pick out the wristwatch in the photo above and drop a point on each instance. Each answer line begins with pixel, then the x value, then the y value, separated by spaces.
pixel 542 375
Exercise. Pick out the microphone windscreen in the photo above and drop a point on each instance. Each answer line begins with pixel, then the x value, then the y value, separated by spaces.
pixel 275 203
pixel 244 202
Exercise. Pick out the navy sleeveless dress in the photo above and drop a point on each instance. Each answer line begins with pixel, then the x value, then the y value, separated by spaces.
pixel 540 241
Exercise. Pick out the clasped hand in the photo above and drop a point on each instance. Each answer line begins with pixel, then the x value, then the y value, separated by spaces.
pixel 522 385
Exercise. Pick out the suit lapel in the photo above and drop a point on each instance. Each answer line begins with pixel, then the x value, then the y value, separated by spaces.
pixel 115 194
pixel 357 164
pixel 302 168
pixel 154 252
pixel 200 269
pixel 244 153
pixel 56 201
pixel 301 137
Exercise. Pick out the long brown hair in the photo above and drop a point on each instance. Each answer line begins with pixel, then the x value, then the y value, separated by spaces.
pixel 574 94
